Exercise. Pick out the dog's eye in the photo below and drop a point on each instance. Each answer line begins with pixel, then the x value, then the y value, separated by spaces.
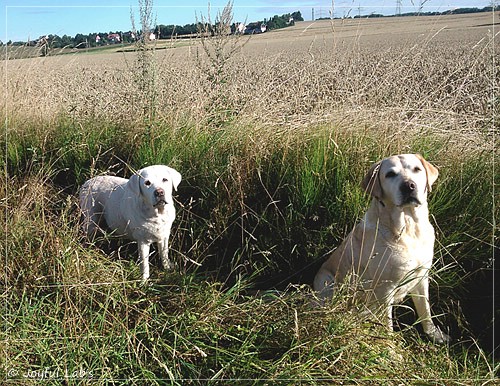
pixel 165 179
pixel 390 174
pixel 147 182
pixel 417 169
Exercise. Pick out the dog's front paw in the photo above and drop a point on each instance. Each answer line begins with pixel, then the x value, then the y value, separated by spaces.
pixel 437 336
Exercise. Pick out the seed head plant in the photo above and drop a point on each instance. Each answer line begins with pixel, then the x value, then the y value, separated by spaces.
pixel 145 70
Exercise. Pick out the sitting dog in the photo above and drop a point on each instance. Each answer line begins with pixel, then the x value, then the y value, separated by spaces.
pixel 140 209
pixel 389 252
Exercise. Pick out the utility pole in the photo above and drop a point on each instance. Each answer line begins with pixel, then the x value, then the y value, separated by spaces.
pixel 398 7
pixel 312 17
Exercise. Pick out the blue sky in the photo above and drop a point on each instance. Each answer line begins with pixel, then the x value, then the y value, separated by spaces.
pixel 29 19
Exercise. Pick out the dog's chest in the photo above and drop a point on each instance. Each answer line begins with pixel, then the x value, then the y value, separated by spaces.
pixel 152 230
pixel 405 261
pixel 148 226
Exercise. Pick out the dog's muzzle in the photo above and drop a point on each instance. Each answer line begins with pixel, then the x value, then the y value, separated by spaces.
pixel 409 193
pixel 160 204
pixel 160 198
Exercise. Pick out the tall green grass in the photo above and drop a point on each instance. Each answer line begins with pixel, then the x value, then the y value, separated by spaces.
pixel 251 217
pixel 74 313
pixel 292 198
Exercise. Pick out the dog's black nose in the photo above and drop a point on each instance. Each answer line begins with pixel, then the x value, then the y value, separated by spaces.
pixel 408 187
pixel 159 192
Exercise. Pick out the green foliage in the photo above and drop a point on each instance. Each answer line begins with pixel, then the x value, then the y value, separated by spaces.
pixel 252 217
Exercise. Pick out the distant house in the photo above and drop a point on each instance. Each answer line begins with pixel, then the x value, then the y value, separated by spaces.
pixel 114 38
pixel 43 40
pixel 152 36
pixel 240 29
pixel 255 28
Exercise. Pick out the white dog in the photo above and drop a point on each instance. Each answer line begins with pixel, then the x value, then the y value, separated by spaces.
pixel 140 209
pixel 389 252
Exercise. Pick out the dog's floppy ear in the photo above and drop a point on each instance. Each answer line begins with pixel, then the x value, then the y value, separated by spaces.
pixel 176 177
pixel 134 183
pixel 431 171
pixel 371 182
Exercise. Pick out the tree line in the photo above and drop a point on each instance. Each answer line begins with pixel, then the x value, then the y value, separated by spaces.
pixel 457 11
pixel 161 32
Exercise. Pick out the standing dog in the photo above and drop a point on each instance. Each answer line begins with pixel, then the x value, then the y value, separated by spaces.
pixel 389 252
pixel 140 209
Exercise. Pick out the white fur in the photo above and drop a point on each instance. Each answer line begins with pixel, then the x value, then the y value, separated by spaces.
pixel 135 209
pixel 388 254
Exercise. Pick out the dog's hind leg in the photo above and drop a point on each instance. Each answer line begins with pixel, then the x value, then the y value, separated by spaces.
pixel 91 215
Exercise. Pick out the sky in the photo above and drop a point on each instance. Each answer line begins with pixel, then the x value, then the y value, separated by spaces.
pixel 29 19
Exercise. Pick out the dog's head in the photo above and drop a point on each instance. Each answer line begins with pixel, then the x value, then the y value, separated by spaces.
pixel 154 184
pixel 402 180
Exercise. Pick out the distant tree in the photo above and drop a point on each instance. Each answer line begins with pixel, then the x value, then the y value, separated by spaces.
pixel 80 41
pixel 277 22
pixel 166 31
pixel 127 37
pixel 91 39
pixel 283 21
pixel 465 10
pixel 66 41
pixel 297 16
